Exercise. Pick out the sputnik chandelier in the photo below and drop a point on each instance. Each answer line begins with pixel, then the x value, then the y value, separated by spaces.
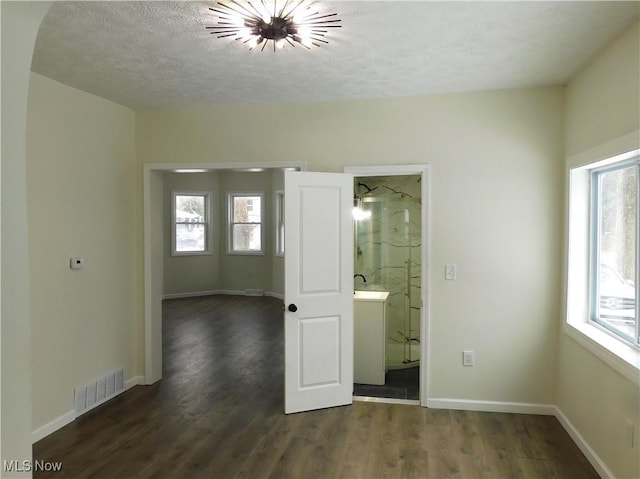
pixel 258 22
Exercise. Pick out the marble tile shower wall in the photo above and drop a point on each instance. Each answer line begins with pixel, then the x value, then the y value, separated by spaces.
pixel 388 253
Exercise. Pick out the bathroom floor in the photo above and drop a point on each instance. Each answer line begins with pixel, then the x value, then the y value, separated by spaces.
pixel 399 384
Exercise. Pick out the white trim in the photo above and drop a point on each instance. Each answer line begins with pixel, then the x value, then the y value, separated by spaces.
pixel 492 406
pixel 134 381
pixel 70 416
pixel 406 402
pixel 53 426
pixel 424 171
pixel 618 355
pixel 612 351
pixel 620 145
pixel 528 408
pixel 207 223
pixel 240 165
pixel 278 219
pixel 226 292
pixel 231 195
pixel 190 294
pixel 593 458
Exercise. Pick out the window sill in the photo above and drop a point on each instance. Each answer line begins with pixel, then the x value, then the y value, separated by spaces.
pixel 191 253
pixel 623 358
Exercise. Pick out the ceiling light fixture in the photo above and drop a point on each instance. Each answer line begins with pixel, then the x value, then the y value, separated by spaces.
pixel 255 24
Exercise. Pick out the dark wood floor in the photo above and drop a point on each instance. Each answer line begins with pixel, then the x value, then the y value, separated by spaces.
pixel 218 414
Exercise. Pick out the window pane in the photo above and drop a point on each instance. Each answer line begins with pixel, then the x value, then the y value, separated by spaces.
pixel 247 209
pixel 617 216
pixel 190 209
pixel 190 237
pixel 246 238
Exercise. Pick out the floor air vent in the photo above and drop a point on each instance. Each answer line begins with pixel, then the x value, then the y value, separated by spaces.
pixel 99 391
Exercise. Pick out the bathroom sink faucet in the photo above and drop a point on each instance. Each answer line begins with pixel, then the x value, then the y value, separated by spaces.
pixel 364 280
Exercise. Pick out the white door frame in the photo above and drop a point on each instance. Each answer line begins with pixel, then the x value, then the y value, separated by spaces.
pixel 153 250
pixel 423 171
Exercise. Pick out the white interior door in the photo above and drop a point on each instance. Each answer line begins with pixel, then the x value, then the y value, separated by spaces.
pixel 318 317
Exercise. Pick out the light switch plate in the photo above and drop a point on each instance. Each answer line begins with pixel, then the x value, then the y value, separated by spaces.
pixel 450 272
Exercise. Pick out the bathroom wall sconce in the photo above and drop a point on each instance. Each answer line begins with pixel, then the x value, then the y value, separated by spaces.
pixel 358 213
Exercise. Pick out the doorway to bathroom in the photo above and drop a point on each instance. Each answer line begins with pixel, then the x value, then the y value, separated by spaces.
pixel 389 257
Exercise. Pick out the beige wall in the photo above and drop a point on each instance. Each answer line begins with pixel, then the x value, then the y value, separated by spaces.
pixel 602 101
pixel 81 181
pixel 497 171
pixel 20 23
pixel 602 106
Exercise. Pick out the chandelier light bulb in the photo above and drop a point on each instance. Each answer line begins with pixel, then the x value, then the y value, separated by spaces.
pixel 299 24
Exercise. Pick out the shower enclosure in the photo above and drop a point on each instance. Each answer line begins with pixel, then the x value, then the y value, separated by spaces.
pixel 388 255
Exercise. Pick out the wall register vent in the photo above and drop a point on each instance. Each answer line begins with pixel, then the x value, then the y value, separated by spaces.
pixel 99 391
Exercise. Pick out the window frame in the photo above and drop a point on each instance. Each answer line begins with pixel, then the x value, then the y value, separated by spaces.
pixel 208 223
pixel 595 247
pixel 619 355
pixel 279 223
pixel 231 195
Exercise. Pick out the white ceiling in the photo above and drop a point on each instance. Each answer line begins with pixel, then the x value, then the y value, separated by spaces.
pixel 148 55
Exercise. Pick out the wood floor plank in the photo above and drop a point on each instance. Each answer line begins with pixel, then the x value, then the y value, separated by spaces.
pixel 218 413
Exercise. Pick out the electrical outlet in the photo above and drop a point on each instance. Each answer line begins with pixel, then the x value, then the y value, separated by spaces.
pixel 76 262
pixel 467 358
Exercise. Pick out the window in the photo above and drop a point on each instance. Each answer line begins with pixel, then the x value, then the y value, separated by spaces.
pixel 279 223
pixel 190 223
pixel 245 223
pixel 614 249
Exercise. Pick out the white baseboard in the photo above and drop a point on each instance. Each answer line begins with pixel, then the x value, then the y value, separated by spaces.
pixel 597 463
pixel 70 416
pixel 134 381
pixel 229 292
pixel 53 426
pixel 492 406
pixel 192 294
pixel 528 408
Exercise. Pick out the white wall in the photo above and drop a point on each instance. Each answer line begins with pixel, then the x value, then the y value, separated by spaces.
pixel 81 183
pixel 497 185
pixel 20 23
pixel 602 106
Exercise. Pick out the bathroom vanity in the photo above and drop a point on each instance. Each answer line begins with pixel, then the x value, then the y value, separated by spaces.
pixel 370 333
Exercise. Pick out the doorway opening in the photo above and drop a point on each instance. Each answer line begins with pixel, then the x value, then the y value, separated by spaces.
pixel 156 225
pixel 390 246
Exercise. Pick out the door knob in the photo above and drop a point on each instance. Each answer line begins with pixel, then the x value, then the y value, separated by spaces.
pixel 293 308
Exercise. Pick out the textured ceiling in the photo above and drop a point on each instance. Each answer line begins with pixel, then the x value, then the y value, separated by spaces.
pixel 148 55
